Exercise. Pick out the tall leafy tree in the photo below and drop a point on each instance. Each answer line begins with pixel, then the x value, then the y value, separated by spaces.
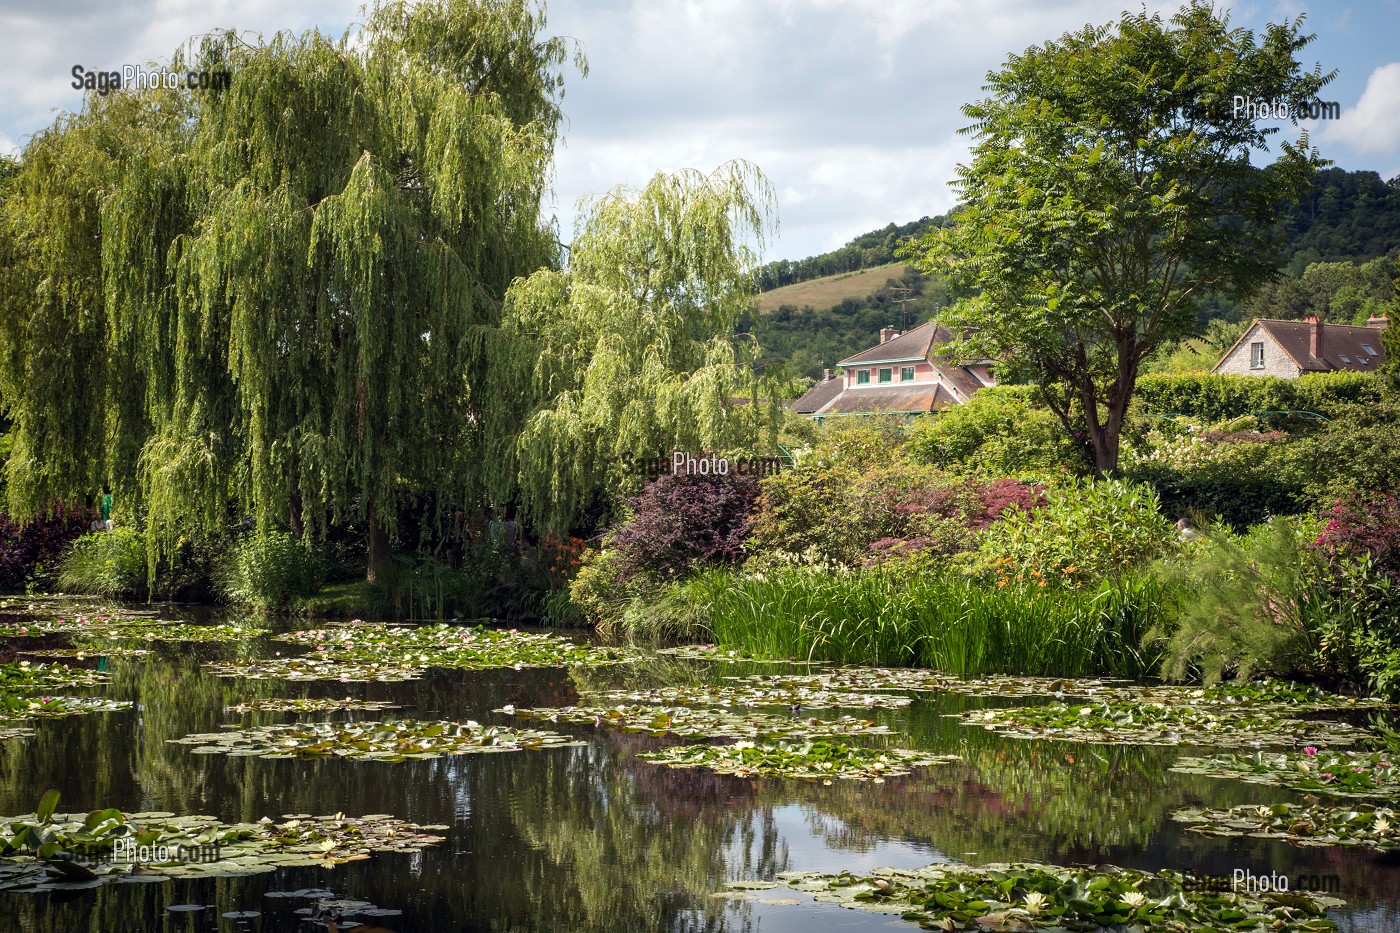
pixel 628 352
pixel 1110 191
pixel 275 296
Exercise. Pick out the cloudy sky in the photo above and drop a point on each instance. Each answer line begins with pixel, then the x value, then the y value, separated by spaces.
pixel 851 107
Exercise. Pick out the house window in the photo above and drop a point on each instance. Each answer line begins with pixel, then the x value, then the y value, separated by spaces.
pixel 1256 356
pixel 887 375
pixel 906 374
pixel 1346 359
pixel 863 377
pixel 1369 350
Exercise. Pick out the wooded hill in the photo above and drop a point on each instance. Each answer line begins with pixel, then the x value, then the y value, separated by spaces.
pixel 1341 243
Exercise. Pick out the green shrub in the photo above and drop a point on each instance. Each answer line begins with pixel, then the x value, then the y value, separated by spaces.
pixel 1087 532
pixel 1248 604
pixel 1242 477
pixel 1218 397
pixel 807 511
pixel 999 432
pixel 269 570
pixel 106 563
pixel 1359 450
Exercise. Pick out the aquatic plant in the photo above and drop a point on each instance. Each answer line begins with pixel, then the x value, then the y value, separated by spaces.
pixel 307 705
pixel 1031 897
pixel 391 741
pixel 1138 723
pixel 25 676
pixel 48 851
pixel 1337 774
pixel 1300 824
pixel 706 723
pixel 810 761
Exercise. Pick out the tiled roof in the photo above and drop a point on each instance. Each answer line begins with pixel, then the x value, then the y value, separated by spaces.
pixel 914 345
pixel 818 395
pixel 1338 341
pixel 922 396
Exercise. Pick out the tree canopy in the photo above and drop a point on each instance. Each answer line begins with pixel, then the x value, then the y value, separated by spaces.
pixel 276 296
pixel 1110 192
pixel 628 352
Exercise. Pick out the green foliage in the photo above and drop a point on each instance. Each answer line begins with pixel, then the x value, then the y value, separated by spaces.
pixel 1198 353
pixel 628 352
pixel 1338 292
pixel 106 563
pixel 1359 450
pixel 1220 397
pixel 1244 607
pixel 277 294
pixel 943 622
pixel 876 248
pixel 1088 531
pixel 1000 431
pixel 1109 192
pixel 269 570
pixel 1242 477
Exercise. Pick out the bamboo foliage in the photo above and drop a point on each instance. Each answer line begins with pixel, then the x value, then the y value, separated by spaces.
pixel 273 297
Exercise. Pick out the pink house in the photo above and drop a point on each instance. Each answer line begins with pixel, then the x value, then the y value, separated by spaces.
pixel 899 375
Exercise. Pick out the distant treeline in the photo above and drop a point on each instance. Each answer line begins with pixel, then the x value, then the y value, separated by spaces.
pixel 866 251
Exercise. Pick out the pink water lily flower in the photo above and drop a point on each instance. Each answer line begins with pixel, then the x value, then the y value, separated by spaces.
pixel 1310 751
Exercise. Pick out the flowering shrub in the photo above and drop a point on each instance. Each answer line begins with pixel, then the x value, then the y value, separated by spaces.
pixel 37 546
pixel 1365 526
pixel 680 521
pixel 1086 532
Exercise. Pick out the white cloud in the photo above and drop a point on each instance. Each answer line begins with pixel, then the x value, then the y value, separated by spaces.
pixel 8 146
pixel 1373 125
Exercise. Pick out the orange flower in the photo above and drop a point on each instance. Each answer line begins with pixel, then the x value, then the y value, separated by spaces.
pixel 1001 582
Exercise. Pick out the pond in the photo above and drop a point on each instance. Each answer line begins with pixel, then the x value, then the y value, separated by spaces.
pixel 583 833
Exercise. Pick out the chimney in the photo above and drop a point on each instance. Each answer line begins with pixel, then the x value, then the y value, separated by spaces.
pixel 826 375
pixel 887 334
pixel 1314 335
pixel 1378 323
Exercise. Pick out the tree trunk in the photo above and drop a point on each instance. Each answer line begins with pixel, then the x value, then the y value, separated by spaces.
pixel 378 564
pixel 294 513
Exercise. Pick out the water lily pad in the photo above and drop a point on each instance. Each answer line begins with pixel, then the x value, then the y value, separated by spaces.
pixel 812 761
pixel 90 651
pixel 188 847
pixel 1141 723
pixel 691 721
pixel 1337 774
pixel 46 707
pixel 1300 824
pixel 25 676
pixel 376 741
pixel 307 705
pixel 129 629
pixel 1047 897
pixel 748 695
pixel 716 653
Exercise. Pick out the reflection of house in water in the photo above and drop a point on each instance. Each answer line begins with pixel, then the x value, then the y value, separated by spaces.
pixel 901 375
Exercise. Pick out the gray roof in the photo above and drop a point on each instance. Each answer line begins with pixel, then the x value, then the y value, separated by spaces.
pixel 818 395
pixel 923 396
pixel 915 345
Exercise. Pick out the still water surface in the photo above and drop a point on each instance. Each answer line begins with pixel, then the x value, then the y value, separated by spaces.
pixel 592 838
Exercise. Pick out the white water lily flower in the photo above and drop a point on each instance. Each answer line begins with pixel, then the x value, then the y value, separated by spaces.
pixel 1134 898
pixel 1382 825
pixel 1035 902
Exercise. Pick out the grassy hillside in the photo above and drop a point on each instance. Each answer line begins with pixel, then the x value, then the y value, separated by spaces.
pixel 829 291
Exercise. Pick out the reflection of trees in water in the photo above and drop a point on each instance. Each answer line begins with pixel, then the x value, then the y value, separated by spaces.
pixel 634 840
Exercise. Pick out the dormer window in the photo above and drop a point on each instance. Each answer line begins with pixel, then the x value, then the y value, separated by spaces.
pixel 1370 351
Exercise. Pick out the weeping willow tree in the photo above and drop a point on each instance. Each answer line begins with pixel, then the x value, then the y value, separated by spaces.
pixel 628 352
pixel 274 297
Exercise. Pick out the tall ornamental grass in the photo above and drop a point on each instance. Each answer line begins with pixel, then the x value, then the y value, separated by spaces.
pixel 945 623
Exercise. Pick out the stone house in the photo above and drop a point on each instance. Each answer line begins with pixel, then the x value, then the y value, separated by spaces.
pixel 1291 348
